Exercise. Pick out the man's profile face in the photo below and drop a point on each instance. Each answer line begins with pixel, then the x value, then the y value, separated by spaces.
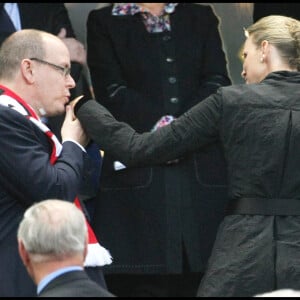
pixel 53 79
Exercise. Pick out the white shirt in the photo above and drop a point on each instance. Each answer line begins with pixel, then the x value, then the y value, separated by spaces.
pixel 12 10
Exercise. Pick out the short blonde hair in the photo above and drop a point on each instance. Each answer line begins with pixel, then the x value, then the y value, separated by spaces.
pixel 280 31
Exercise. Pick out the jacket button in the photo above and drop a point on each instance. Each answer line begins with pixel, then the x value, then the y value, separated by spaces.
pixel 166 38
pixel 174 100
pixel 172 80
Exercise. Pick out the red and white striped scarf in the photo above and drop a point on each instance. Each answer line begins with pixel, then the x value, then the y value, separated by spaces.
pixel 96 254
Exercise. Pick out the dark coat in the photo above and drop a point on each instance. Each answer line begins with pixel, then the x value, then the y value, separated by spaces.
pixel 42 16
pixel 289 9
pixel 73 284
pixel 145 215
pixel 26 176
pixel 51 17
pixel 257 246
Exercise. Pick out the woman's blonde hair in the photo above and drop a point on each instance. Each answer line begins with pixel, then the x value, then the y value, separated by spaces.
pixel 282 32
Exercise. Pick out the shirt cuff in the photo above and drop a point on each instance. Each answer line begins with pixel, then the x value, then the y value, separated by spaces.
pixel 70 140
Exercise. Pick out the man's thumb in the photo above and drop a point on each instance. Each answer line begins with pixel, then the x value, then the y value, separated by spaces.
pixel 63 33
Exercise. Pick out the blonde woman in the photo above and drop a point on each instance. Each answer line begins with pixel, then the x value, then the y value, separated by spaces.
pixel 257 248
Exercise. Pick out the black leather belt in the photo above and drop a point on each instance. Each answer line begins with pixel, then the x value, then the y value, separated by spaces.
pixel 264 206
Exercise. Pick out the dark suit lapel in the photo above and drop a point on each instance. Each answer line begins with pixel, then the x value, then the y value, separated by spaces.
pixel 30 18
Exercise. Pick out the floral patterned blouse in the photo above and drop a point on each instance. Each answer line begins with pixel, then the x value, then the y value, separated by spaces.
pixel 153 23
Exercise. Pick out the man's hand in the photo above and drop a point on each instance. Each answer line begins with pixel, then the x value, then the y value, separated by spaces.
pixel 72 129
pixel 76 49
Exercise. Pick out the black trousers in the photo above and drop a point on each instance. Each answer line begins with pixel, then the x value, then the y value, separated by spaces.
pixel 185 284
pixel 169 285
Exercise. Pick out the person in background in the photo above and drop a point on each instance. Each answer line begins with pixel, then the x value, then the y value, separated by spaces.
pixel 35 82
pixel 54 18
pixel 52 243
pixel 257 247
pixel 149 63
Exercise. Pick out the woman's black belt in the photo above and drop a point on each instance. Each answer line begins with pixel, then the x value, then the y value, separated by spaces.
pixel 264 206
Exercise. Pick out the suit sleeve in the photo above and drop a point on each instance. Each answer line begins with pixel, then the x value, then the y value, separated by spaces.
pixel 196 128
pixel 58 17
pixel 25 169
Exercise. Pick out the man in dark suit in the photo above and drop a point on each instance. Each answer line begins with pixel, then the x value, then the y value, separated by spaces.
pixel 52 243
pixel 54 18
pixel 35 82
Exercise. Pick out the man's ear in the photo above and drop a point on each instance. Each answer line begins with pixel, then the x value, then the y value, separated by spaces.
pixel 27 70
pixel 25 257
pixel 23 253
pixel 85 250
